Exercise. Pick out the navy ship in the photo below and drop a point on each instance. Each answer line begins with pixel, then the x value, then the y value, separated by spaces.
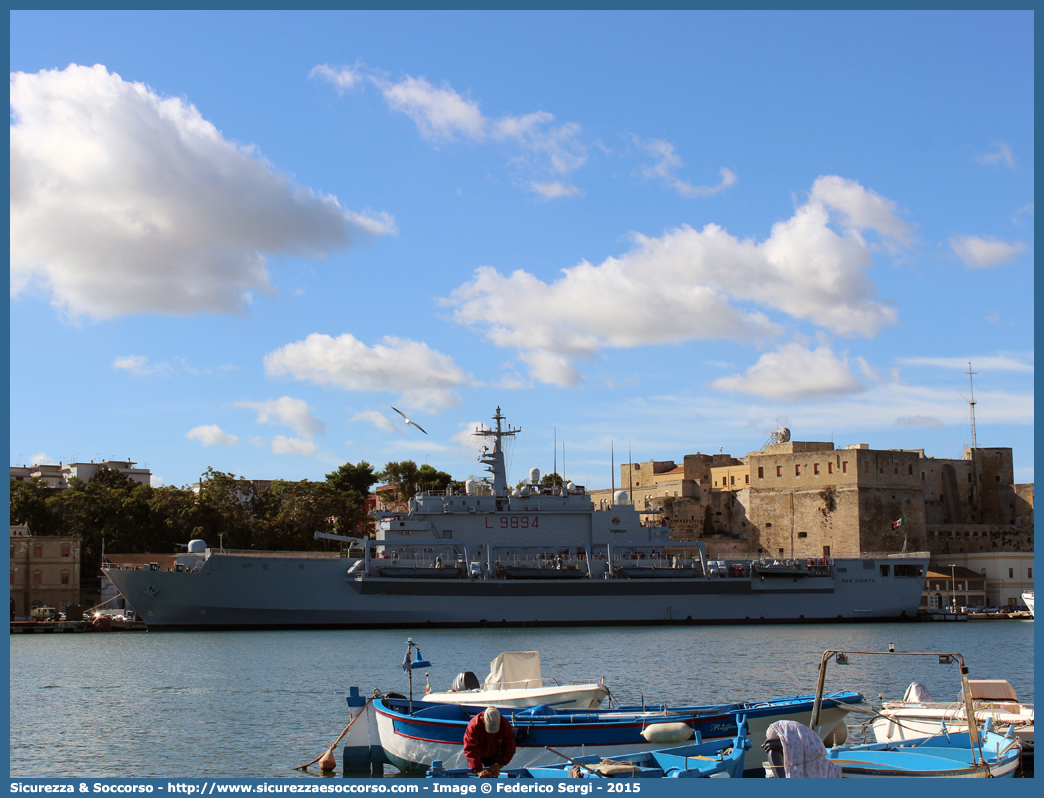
pixel 492 555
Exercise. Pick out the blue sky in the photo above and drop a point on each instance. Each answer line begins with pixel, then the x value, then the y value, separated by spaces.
pixel 238 239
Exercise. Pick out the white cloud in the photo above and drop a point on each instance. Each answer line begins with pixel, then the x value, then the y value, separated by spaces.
pixel 140 366
pixel 981 253
pixel 425 378
pixel 1002 154
pixel 343 78
pixel 375 223
pixel 664 169
pixel 794 373
pixel 123 201
pixel 379 420
pixel 1000 362
pixel 682 286
pixel 860 208
pixel 41 457
pixel 928 422
pixel 554 190
pixel 440 114
pixel 289 412
pixel 283 445
pixel 211 435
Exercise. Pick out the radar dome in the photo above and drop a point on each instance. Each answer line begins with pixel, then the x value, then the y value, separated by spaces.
pixel 534 476
pixel 469 487
pixel 620 497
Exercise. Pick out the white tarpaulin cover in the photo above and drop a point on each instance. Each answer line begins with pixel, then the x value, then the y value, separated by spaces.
pixel 918 693
pixel 514 669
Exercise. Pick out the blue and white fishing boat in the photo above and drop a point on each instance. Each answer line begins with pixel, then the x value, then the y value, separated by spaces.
pixel 974 753
pixel 722 758
pixel 412 735
pixel 945 755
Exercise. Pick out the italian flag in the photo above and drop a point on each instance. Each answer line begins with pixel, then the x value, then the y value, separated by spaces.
pixel 899 523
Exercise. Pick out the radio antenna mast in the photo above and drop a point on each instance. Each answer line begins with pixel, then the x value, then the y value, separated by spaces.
pixel 971 402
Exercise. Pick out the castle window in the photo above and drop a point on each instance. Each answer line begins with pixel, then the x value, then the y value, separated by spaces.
pixel 797 471
pixel 1011 573
pixel 815 469
pixel 844 466
pixel 779 471
pixel 761 472
pixel 830 468
pixel 746 479
pixel 910 469
pixel 802 534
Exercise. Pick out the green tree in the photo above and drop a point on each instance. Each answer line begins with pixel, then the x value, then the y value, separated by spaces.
pixel 403 476
pixel 29 506
pixel 225 509
pixel 352 483
pixel 288 514
pixel 551 481
pixel 430 479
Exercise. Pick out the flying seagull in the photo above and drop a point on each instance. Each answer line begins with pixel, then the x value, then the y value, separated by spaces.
pixel 411 423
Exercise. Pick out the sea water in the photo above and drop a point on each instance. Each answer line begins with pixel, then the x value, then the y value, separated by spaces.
pixel 258 704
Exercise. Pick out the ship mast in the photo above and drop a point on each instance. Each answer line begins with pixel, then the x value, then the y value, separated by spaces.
pixel 494 461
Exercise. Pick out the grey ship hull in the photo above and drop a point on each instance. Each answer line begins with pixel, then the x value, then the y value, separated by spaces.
pixel 271 592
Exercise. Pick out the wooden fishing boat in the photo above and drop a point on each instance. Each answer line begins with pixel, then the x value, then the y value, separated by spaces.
pixel 946 754
pixel 721 758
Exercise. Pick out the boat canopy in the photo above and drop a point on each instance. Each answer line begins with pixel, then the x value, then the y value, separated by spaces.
pixel 991 690
pixel 514 669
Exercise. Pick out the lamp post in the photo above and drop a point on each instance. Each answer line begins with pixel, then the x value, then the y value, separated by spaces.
pixel 953 587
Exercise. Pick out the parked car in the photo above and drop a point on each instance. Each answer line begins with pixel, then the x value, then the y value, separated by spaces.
pixel 973 609
pixel 993 609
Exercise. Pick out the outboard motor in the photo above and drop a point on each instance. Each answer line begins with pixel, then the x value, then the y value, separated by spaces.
pixel 465 681
pixel 774 747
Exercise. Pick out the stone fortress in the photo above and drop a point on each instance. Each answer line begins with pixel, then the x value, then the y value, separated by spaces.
pixel 802 499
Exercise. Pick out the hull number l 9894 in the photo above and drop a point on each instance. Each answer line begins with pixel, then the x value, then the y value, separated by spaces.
pixel 514 522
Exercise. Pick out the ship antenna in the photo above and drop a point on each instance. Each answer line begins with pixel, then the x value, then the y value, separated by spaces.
pixel 612 474
pixel 630 474
pixel 554 470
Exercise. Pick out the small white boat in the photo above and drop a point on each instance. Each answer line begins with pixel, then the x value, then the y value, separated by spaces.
pixel 1027 599
pixel 917 715
pixel 515 680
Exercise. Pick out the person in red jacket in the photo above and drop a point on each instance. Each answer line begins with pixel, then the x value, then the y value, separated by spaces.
pixel 489 743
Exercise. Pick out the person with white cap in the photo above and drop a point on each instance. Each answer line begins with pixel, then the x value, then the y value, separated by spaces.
pixel 489 743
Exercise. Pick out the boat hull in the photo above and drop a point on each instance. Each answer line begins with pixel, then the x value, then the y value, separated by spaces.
pixel 411 742
pixel 277 591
